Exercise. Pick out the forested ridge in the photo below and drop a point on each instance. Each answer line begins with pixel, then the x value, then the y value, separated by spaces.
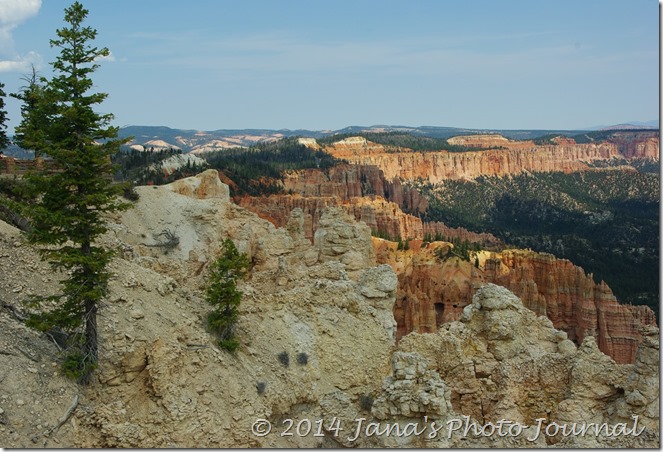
pixel 605 221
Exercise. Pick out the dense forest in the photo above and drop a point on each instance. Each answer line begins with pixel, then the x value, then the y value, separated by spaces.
pixel 129 163
pixel 605 221
pixel 259 169
pixel 145 167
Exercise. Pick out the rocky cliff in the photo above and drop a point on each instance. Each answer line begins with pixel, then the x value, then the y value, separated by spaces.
pixel 432 292
pixel 349 181
pixel 637 144
pixel 316 325
pixel 438 166
pixel 489 364
pixel 513 157
pixel 571 299
pixel 383 217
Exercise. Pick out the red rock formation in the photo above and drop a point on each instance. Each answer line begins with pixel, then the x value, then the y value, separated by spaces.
pixel 347 181
pixel 440 165
pixel 431 292
pixel 513 157
pixel 571 299
pixel 384 217
pixel 637 144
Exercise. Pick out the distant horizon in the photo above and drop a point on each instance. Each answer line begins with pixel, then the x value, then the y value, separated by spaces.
pixel 651 124
pixel 295 64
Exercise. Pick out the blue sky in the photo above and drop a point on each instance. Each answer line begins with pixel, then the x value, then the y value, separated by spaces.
pixel 214 64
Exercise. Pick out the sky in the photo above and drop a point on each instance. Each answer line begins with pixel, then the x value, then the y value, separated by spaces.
pixel 320 65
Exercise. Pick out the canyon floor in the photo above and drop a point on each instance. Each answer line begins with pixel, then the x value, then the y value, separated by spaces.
pixel 328 304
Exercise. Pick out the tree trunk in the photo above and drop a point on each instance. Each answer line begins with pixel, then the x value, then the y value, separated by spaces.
pixel 91 344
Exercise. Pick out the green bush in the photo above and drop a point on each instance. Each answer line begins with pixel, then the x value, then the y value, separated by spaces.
pixel 77 367
pixel 223 295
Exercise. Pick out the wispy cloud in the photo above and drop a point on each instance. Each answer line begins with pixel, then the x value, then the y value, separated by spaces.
pixel 285 53
pixel 12 14
pixel 22 64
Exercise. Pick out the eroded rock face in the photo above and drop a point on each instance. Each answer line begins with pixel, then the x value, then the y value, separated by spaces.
pixel 513 157
pixel 572 300
pixel 502 362
pixel 338 239
pixel 325 306
pixel 204 186
pixel 412 390
pixel 383 217
pixel 347 181
pixel 438 166
pixel 637 144
pixel 432 292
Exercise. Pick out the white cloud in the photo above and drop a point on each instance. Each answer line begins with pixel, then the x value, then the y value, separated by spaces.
pixel 18 11
pixel 12 14
pixel 21 64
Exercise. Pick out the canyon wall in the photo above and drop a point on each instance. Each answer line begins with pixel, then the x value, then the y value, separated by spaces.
pixel 432 292
pixel 637 144
pixel 385 218
pixel 512 157
pixel 347 181
pixel 438 166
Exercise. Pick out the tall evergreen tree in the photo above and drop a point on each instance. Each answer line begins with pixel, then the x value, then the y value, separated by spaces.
pixel 4 140
pixel 68 216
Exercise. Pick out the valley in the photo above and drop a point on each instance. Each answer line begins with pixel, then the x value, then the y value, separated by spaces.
pixel 518 282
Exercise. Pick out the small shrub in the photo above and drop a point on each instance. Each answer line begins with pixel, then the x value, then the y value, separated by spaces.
pixel 129 193
pixel 366 402
pixel 231 344
pixel 302 359
pixel 260 387
pixel 77 367
pixel 284 359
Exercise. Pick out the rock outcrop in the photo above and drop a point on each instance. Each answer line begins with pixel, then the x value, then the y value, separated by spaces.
pixel 500 354
pixel 572 300
pixel 432 292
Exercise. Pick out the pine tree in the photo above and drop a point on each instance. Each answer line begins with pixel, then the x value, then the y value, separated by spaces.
pixel 68 214
pixel 4 140
pixel 223 295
